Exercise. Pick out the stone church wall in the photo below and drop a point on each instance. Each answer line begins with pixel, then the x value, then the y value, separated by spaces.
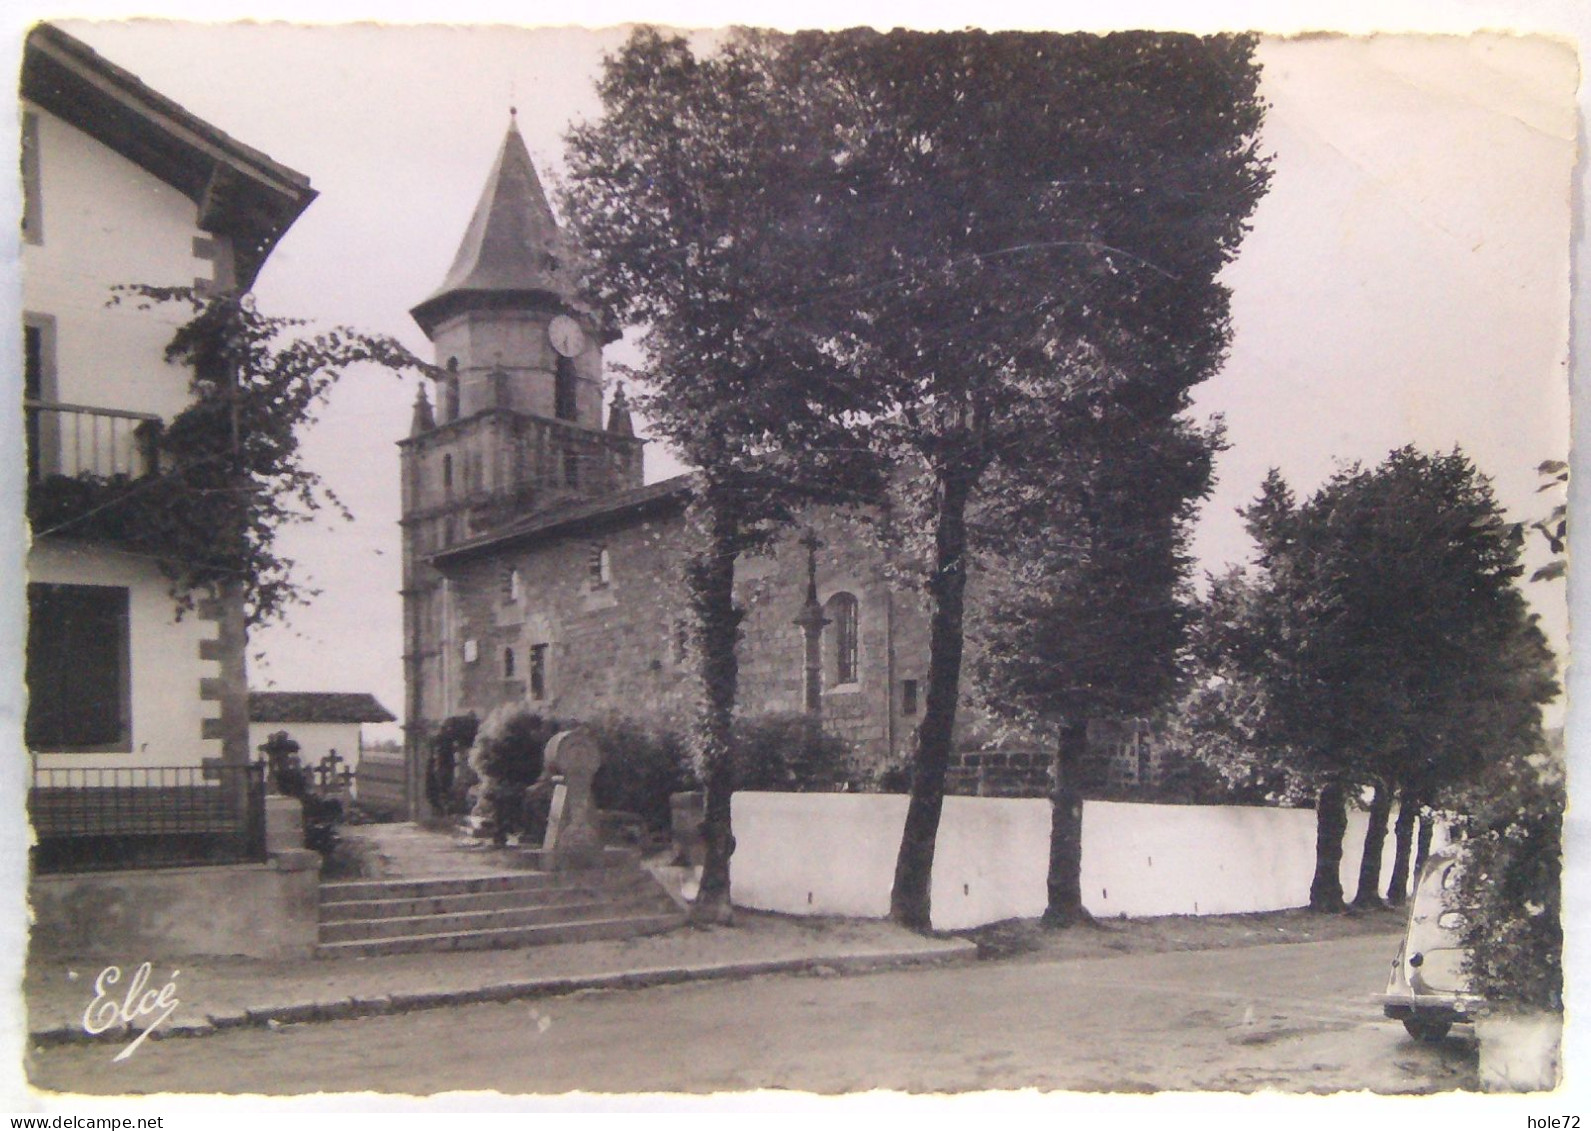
pixel 607 648
pixel 616 648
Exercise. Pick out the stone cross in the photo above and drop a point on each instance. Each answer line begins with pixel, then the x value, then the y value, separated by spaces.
pixel 573 839
pixel 327 770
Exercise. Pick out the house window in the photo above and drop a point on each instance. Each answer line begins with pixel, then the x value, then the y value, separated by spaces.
pixel 538 671
pixel 565 382
pixel 908 697
pixel 508 663
pixel 571 469
pixel 513 586
pixel 841 613
pixel 32 199
pixel 79 668
pixel 38 385
pixel 600 567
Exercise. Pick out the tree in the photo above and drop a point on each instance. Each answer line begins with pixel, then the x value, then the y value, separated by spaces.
pixel 1032 226
pixel 1390 637
pixel 689 194
pixel 1088 600
pixel 1511 885
pixel 229 472
pixel 952 247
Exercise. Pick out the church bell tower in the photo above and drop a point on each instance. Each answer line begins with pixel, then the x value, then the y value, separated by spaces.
pixel 514 425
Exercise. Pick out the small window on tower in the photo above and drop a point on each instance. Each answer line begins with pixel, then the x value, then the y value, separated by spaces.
pixel 600 567
pixel 908 697
pixel 538 671
pixel 565 406
pixel 508 663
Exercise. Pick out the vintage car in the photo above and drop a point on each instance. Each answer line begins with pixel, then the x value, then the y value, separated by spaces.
pixel 1428 990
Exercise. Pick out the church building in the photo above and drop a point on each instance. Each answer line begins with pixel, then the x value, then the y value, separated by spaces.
pixel 540 569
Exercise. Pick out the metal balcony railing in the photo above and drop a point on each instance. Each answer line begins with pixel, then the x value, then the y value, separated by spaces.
pixel 77 440
pixel 147 817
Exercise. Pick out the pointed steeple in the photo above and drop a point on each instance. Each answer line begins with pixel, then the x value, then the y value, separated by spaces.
pixel 422 420
pixel 512 247
pixel 619 423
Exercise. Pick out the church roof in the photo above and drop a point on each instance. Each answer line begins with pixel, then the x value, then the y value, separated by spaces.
pixel 512 248
pixel 576 516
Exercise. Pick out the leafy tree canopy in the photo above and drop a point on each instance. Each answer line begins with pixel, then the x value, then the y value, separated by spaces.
pixel 1386 625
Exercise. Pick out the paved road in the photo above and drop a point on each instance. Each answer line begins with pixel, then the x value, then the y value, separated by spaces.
pixel 1296 1017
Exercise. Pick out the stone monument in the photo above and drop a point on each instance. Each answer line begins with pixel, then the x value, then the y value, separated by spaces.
pixel 573 839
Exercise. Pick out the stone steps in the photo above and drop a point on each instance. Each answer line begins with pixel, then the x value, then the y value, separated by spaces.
pixel 335 910
pixel 584 930
pixel 405 916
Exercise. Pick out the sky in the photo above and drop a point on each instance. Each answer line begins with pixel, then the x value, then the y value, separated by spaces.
pixel 1405 281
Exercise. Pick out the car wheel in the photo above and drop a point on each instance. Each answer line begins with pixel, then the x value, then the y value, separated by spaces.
pixel 1428 1031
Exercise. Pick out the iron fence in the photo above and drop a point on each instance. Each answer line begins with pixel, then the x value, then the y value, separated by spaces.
pixel 147 817
pixel 76 440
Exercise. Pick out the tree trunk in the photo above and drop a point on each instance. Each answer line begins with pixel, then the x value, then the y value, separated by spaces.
pixel 1065 907
pixel 914 865
pixel 1422 849
pixel 1368 897
pixel 1403 848
pixel 1331 823
pixel 710 580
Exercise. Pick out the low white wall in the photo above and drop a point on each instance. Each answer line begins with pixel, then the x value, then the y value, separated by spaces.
pixel 834 854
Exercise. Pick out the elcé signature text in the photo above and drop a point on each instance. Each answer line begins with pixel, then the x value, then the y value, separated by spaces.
pixel 105 1012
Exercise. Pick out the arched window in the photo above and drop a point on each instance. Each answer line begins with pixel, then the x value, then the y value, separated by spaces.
pixel 513 586
pixel 841 614
pixel 565 406
pixel 447 476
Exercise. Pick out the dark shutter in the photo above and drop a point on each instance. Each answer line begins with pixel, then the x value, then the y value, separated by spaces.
pixel 78 668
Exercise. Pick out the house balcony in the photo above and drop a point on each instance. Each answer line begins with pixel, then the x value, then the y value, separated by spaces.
pixel 83 442
pixel 147 817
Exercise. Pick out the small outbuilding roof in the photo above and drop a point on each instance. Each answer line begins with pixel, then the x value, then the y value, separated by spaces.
pixel 316 707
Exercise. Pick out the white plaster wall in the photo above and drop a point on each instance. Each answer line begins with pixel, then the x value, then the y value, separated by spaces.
pixel 816 853
pixel 166 667
pixel 315 740
pixel 106 221
pixel 1195 859
pixel 834 854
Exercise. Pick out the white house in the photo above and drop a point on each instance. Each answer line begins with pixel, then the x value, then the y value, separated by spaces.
pixel 323 723
pixel 122 185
